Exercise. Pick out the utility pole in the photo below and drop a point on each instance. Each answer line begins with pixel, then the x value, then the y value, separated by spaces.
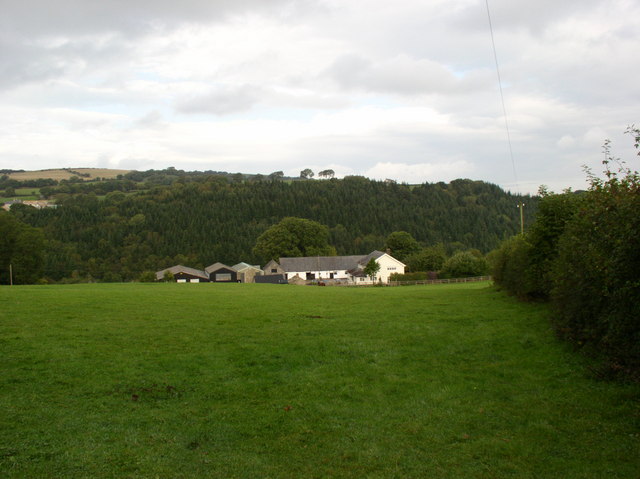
pixel 521 207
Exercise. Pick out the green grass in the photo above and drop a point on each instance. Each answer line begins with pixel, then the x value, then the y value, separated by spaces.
pixel 257 381
pixel 22 194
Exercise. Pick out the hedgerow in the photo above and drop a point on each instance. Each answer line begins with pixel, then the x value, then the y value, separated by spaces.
pixel 583 254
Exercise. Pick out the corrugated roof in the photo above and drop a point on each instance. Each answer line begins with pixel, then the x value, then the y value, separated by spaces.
pixel 182 269
pixel 216 267
pixel 242 266
pixel 326 263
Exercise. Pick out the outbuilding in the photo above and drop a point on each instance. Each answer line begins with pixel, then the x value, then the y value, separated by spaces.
pixel 221 273
pixel 183 274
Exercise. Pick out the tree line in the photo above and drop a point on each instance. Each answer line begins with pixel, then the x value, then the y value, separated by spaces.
pixel 141 224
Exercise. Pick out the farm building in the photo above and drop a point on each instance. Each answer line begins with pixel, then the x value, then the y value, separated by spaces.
pixel 336 268
pixel 183 274
pixel 339 269
pixel 221 273
pixel 247 272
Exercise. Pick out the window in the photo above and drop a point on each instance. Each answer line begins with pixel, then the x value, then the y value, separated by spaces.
pixel 223 277
pixel 274 270
pixel 391 268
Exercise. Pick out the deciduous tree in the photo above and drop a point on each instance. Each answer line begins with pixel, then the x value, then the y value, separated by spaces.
pixel 294 237
pixel 402 244
pixel 372 268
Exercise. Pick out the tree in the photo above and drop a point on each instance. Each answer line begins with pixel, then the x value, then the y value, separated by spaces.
pixel 276 175
pixel 294 237
pixel 327 174
pixel 372 268
pixel 168 277
pixel 22 247
pixel 464 264
pixel 427 259
pixel 306 174
pixel 147 277
pixel 401 244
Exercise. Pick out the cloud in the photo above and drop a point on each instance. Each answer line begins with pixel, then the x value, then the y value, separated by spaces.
pixel 152 120
pixel 223 100
pixel 80 17
pixel 422 172
pixel 400 75
pixel 363 87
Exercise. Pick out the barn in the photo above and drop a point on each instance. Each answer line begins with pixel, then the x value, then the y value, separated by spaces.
pixel 221 273
pixel 183 274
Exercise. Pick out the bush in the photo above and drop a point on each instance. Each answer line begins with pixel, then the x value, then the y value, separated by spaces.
pixel 596 277
pixel 464 264
pixel 147 277
pixel 511 267
pixel 428 259
pixel 409 276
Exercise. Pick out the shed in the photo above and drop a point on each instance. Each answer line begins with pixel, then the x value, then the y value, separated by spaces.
pixel 221 273
pixel 183 274
pixel 247 272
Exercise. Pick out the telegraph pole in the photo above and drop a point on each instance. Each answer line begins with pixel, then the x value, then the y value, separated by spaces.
pixel 521 207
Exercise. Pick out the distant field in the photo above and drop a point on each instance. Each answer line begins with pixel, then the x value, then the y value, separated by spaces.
pixel 61 174
pixel 253 381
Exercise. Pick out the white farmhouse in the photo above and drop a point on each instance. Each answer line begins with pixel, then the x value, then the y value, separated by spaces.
pixel 336 268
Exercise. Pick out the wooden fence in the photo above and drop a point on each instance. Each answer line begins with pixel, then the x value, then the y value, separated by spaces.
pixel 475 279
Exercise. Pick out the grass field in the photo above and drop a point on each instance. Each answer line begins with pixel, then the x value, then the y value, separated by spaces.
pixel 62 174
pixel 259 381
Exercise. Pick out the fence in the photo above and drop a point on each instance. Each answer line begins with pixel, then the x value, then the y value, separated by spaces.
pixel 475 279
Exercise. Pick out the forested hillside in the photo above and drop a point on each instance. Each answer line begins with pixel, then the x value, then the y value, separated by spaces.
pixel 141 225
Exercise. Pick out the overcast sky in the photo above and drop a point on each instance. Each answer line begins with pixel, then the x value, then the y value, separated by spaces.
pixel 405 90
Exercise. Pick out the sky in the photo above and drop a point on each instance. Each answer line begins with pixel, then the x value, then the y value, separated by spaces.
pixel 404 90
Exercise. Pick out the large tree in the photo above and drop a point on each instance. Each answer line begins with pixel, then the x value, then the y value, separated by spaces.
pixel 401 244
pixel 427 259
pixel 294 237
pixel 306 174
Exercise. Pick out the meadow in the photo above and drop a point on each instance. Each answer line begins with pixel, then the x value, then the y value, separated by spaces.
pixel 269 381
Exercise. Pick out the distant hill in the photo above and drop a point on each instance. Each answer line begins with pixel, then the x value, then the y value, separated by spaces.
pixel 67 173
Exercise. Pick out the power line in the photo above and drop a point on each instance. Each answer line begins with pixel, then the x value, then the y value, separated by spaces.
pixel 504 109
pixel 506 121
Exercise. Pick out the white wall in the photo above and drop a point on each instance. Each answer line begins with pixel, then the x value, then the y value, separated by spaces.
pixel 339 274
pixel 388 266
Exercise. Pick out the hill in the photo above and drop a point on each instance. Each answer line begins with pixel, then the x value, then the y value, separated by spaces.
pixel 115 229
pixel 86 174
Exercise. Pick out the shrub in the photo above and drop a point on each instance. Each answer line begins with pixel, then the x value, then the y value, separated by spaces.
pixel 464 264
pixel 420 276
pixel 511 267
pixel 428 259
pixel 147 277
pixel 596 276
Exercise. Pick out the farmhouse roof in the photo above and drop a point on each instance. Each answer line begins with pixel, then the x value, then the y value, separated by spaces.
pixel 216 267
pixel 242 266
pixel 182 269
pixel 327 263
